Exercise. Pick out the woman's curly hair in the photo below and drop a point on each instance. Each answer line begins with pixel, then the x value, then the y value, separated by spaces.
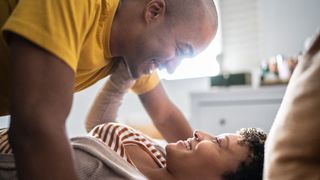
pixel 252 168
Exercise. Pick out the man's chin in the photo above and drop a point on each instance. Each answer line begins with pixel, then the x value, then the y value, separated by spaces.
pixel 136 74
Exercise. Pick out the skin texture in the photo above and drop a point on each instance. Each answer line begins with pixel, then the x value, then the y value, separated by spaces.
pixel 41 99
pixel 209 157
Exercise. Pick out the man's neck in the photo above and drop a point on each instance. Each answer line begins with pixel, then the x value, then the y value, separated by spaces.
pixel 115 33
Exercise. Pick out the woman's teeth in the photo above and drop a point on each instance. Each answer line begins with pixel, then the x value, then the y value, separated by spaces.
pixel 187 144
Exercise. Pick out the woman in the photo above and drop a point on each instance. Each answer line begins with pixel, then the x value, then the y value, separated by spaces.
pixel 226 156
pixel 233 156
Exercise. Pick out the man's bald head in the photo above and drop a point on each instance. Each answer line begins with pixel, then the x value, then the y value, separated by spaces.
pixel 191 11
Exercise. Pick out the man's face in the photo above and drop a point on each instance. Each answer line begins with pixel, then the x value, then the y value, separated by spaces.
pixel 206 155
pixel 161 47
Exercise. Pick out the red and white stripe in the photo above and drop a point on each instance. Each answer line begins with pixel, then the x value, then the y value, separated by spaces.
pixel 4 142
pixel 116 136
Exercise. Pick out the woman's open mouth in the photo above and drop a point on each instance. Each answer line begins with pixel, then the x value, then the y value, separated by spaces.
pixel 187 144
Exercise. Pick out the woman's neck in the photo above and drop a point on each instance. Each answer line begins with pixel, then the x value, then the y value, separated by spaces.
pixel 158 174
pixel 146 164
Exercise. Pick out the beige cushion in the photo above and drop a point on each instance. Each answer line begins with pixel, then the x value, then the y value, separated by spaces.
pixel 293 145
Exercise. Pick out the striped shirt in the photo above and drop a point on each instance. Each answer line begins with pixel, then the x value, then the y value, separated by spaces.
pixel 115 136
pixel 4 142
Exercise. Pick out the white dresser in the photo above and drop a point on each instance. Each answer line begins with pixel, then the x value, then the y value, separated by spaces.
pixel 223 110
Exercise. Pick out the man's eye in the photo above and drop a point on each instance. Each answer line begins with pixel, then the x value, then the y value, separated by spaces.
pixel 185 50
pixel 188 53
pixel 179 52
pixel 183 53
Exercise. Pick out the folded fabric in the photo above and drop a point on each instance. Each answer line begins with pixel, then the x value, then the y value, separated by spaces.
pixel 293 145
pixel 93 160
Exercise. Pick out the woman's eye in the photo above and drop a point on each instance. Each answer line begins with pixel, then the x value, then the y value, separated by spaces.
pixel 217 141
pixel 220 141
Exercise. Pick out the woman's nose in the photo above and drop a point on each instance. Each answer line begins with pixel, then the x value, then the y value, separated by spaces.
pixel 197 135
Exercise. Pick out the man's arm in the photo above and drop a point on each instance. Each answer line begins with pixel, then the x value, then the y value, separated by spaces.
pixel 42 90
pixel 166 116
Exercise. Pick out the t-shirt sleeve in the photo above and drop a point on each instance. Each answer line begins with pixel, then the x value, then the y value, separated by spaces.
pixel 146 83
pixel 58 26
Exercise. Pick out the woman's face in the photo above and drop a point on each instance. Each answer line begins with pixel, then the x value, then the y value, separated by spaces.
pixel 205 156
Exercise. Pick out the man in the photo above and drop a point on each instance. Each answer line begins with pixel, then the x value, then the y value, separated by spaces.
pixel 60 46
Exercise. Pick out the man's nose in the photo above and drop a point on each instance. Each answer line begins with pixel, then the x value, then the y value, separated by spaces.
pixel 172 65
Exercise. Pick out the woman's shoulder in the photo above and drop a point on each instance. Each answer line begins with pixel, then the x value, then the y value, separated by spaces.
pixel 114 127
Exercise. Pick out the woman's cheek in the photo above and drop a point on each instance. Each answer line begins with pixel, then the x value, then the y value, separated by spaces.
pixel 208 148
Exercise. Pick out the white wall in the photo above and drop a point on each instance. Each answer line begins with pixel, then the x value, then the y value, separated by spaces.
pixel 255 30
pixel 285 24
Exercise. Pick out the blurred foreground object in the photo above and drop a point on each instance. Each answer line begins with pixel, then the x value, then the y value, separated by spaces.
pixel 292 148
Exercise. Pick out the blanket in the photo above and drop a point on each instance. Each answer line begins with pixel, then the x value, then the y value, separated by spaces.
pixel 92 158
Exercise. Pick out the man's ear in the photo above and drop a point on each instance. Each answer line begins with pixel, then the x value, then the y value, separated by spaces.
pixel 154 9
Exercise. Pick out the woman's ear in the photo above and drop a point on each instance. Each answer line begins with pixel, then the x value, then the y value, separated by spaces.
pixel 154 10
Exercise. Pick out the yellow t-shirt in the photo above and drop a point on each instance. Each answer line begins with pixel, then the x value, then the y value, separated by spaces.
pixel 77 32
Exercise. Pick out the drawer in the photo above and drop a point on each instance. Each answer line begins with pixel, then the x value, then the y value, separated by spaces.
pixel 230 116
